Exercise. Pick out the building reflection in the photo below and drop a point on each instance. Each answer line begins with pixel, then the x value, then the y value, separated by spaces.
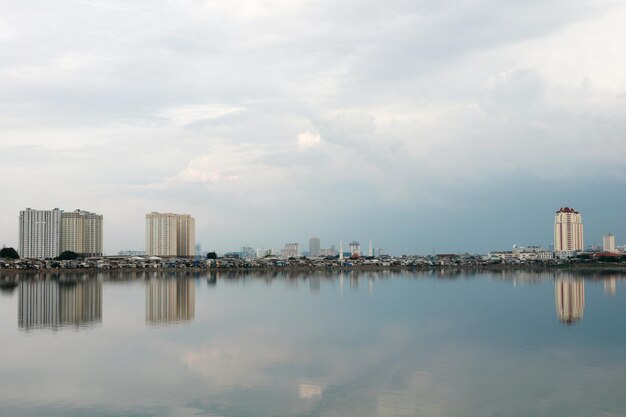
pixel 50 304
pixel 569 297
pixel 170 300
pixel 610 286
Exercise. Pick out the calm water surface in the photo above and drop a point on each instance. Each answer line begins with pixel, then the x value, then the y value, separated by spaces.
pixel 368 344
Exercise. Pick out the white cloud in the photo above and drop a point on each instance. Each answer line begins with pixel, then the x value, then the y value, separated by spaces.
pixel 308 140
pixel 185 115
pixel 7 31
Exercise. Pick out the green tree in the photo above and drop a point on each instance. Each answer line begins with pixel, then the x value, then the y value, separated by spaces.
pixel 211 255
pixel 68 255
pixel 9 253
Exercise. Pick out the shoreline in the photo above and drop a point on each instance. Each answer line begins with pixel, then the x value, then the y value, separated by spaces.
pixel 579 268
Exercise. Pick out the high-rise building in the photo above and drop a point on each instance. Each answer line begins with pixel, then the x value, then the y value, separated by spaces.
pixel 169 234
pixel 81 232
pixel 186 235
pixel 314 246
pixel 40 233
pixel 608 243
pixel 48 233
pixel 568 232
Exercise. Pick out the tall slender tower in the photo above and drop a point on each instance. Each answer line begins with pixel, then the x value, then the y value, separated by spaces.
pixel 370 252
pixel 568 232
pixel 341 250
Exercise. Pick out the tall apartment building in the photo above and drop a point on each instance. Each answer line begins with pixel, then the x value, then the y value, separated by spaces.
pixel 608 243
pixel 40 233
pixel 186 235
pixel 568 232
pixel 48 233
pixel 81 232
pixel 314 246
pixel 169 234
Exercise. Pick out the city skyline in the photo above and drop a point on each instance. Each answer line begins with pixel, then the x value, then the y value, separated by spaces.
pixel 169 234
pixel 453 128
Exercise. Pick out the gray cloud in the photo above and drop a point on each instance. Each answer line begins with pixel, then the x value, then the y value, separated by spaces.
pixel 411 114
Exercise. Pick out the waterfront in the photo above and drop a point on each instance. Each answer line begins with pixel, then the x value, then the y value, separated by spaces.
pixel 436 343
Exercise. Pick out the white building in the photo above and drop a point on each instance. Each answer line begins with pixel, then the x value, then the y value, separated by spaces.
pixel 169 234
pixel 568 232
pixel 608 243
pixel 40 233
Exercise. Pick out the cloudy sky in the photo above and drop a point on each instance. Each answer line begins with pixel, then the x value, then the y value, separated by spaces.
pixel 426 126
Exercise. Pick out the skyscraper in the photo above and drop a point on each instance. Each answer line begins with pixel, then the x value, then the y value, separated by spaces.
pixel 169 234
pixel 314 246
pixel 568 232
pixel 186 235
pixel 40 233
pixel 48 233
pixel 81 232
pixel 608 243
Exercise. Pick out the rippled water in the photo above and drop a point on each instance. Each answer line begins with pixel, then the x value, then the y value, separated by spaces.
pixel 368 344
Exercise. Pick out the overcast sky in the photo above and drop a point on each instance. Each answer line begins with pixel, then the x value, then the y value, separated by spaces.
pixel 445 126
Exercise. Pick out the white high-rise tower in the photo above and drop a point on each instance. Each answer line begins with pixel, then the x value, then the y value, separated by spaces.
pixel 370 252
pixel 568 232
pixel 340 249
pixel 608 243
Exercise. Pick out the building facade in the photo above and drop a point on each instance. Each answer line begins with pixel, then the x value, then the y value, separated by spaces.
pixel 169 234
pixel 608 243
pixel 81 232
pixel 40 233
pixel 314 246
pixel 186 235
pixel 568 232
pixel 48 233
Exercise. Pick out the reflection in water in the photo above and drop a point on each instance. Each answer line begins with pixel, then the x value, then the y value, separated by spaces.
pixel 569 297
pixel 170 300
pixel 53 304
pixel 610 286
pixel 309 391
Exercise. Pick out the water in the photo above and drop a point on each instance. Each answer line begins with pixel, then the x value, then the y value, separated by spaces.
pixel 368 344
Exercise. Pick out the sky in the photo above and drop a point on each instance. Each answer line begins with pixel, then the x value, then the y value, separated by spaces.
pixel 425 126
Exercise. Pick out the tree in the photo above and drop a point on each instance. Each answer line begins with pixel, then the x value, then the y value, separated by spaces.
pixel 9 253
pixel 68 255
pixel 211 255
